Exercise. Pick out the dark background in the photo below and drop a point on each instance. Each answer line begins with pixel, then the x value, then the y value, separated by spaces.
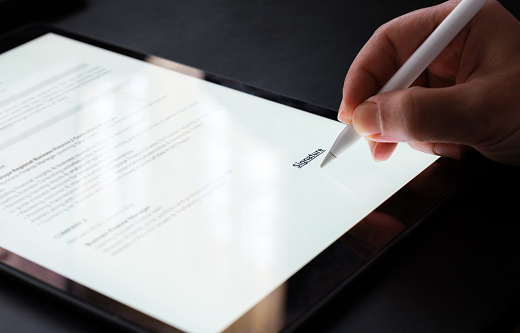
pixel 459 272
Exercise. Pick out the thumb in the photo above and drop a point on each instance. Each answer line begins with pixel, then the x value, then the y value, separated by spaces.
pixel 419 114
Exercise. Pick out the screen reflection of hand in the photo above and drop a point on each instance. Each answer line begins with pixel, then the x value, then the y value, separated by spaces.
pixel 372 233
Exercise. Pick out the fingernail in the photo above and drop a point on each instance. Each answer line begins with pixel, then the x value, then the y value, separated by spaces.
pixel 448 150
pixel 366 119
pixel 341 113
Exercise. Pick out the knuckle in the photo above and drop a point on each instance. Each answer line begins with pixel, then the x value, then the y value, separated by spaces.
pixel 412 120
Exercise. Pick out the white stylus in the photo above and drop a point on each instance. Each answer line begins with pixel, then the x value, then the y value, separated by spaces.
pixel 415 65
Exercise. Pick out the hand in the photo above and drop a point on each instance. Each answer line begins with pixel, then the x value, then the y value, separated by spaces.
pixel 468 97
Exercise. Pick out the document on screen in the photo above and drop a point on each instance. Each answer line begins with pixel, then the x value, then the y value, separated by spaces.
pixel 176 196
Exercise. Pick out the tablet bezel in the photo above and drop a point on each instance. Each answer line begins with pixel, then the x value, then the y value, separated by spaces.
pixel 299 306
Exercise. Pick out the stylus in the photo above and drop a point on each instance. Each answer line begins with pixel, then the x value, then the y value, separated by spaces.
pixel 415 65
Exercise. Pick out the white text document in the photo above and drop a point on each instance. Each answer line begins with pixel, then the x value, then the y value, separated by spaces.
pixel 183 199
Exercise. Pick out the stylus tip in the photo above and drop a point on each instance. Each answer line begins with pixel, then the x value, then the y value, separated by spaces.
pixel 329 157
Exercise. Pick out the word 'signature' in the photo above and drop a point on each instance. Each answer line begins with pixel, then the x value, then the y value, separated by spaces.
pixel 309 158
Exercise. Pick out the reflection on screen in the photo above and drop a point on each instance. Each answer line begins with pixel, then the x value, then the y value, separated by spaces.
pixel 183 199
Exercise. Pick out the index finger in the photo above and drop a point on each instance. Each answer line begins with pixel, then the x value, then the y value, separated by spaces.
pixel 385 52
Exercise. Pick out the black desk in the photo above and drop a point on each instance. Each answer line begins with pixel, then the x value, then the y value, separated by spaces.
pixel 459 272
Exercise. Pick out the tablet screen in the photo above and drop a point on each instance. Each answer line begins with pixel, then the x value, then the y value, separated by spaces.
pixel 183 199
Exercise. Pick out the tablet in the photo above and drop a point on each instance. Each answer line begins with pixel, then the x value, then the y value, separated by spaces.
pixel 170 199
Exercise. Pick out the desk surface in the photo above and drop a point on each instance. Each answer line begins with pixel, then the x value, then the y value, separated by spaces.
pixel 459 272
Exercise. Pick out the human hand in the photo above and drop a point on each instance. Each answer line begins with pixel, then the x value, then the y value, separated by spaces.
pixel 467 97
